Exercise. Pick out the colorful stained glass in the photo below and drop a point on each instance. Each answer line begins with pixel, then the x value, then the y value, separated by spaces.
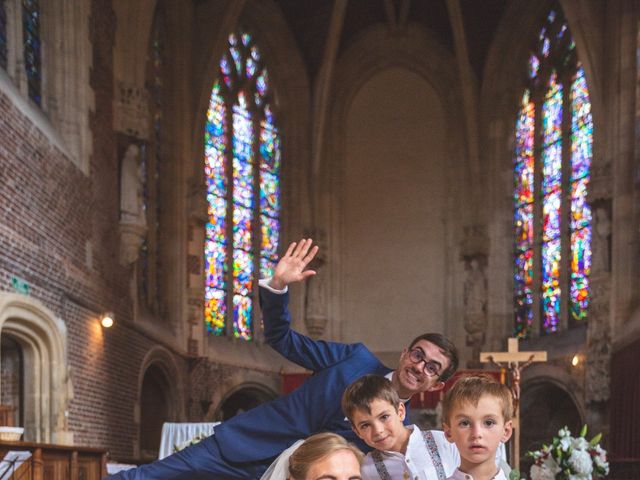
pixel 550 286
pixel 242 317
pixel 552 112
pixel 540 197
pixel 523 198
pixel 266 267
pixel 215 310
pixel 581 154
pixel 225 68
pixel 231 175
pixel 3 36
pixel 32 48
pixel 242 272
pixel 580 270
pixel 242 228
pixel 270 228
pixel 534 66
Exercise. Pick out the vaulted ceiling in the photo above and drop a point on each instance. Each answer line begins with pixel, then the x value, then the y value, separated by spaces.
pixel 310 21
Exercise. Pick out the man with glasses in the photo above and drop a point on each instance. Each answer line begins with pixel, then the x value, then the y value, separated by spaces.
pixel 244 446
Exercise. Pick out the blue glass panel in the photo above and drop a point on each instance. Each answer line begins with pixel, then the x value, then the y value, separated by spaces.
pixel 32 48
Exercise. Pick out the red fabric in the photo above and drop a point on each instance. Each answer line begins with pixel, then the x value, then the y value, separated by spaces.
pixel 291 381
pixel 431 399
pixel 625 404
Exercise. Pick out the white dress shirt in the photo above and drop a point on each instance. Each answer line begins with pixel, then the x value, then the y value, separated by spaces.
pixel 416 463
pixel 460 475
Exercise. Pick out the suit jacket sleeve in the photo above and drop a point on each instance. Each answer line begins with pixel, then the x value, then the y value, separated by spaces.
pixel 310 354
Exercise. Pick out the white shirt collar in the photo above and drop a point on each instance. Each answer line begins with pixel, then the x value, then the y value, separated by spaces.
pixel 389 376
pixel 460 475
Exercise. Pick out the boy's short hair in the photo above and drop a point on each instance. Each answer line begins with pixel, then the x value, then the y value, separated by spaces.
pixel 448 349
pixel 361 393
pixel 469 389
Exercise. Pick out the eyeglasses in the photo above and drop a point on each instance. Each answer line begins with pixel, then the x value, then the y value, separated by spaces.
pixel 431 369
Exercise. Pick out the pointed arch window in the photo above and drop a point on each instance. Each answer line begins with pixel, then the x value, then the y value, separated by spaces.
pixel 3 36
pixel 552 220
pixel 242 170
pixel 32 48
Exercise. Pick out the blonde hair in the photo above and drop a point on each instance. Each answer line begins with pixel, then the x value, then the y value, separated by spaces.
pixel 315 448
pixel 469 389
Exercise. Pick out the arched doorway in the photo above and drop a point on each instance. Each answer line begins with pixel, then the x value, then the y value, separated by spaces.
pixel 155 409
pixel 243 399
pixel 545 409
pixel 12 382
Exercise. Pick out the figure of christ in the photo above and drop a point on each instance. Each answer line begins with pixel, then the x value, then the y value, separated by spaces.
pixel 245 445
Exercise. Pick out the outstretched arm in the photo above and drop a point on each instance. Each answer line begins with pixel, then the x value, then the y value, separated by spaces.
pixel 311 354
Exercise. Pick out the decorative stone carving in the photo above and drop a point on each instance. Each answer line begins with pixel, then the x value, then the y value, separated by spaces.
pixel 475 306
pixel 131 111
pixel 601 237
pixel 198 200
pixel 316 296
pixel 475 241
pixel 133 220
pixel 597 381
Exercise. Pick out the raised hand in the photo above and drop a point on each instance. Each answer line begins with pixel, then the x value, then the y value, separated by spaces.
pixel 291 267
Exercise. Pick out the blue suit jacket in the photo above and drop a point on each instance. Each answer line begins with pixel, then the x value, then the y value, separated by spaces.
pixel 265 431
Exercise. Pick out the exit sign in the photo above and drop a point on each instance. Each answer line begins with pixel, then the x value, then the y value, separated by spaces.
pixel 20 285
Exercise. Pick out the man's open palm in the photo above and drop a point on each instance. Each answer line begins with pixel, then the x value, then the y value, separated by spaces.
pixel 291 267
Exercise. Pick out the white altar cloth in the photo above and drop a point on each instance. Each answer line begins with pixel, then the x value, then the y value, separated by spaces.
pixel 180 433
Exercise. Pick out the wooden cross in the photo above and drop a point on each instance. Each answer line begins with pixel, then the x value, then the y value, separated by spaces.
pixel 513 361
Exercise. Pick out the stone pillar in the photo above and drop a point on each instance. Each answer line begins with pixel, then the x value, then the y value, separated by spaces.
pixel 316 294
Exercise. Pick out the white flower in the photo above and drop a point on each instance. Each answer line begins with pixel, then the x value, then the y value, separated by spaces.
pixel 580 462
pixel 579 443
pixel 565 443
pixel 541 473
pixel 564 432
pixel 551 464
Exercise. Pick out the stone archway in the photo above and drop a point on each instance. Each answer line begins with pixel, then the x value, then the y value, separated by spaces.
pixel 242 399
pixel 546 407
pixel 159 400
pixel 42 339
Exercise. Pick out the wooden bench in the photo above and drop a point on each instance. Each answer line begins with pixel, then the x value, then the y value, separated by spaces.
pixel 58 462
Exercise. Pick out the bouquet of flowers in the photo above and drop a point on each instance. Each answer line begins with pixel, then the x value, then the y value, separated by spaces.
pixel 569 458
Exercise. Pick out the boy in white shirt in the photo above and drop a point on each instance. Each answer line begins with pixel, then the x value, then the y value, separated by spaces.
pixel 476 415
pixel 401 452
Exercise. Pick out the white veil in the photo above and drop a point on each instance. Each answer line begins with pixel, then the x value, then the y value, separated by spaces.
pixel 279 469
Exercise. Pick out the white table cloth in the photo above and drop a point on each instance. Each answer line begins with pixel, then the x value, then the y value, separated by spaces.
pixel 180 433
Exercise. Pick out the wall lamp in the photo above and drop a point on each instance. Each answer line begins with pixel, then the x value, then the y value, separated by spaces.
pixel 107 319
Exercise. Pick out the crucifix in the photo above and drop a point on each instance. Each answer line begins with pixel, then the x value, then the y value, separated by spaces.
pixel 513 362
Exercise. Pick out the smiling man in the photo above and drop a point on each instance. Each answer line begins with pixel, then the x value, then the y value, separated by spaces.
pixel 244 446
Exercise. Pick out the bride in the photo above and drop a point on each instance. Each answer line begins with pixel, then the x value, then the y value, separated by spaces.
pixel 319 456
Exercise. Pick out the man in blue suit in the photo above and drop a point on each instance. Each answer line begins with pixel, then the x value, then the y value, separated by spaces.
pixel 244 446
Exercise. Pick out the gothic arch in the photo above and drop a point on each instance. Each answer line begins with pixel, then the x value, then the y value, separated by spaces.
pixel 375 51
pixel 500 97
pixel 245 395
pixel 48 387
pixel 287 72
pixel 160 363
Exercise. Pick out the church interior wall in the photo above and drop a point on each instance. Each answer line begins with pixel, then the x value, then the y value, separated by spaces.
pixel 390 199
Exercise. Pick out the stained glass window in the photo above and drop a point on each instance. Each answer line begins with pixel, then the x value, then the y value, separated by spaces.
pixel 32 50
pixel 3 36
pixel 552 219
pixel 242 170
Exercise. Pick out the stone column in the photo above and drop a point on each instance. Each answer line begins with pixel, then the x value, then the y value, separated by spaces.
pixel 316 295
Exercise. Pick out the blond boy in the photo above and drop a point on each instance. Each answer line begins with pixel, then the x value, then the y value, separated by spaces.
pixel 476 416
